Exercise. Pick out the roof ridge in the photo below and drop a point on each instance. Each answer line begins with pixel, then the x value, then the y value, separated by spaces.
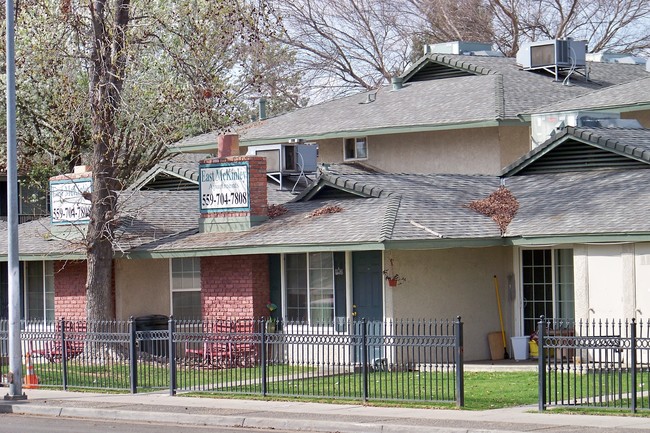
pixel 465 65
pixel 500 97
pixel 390 217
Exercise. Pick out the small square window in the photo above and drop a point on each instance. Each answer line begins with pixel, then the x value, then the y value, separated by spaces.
pixel 355 148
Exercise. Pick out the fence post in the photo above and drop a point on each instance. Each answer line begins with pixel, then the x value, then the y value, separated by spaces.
pixel 541 390
pixel 64 356
pixel 171 328
pixel 364 359
pixel 262 324
pixel 460 374
pixel 133 361
pixel 633 362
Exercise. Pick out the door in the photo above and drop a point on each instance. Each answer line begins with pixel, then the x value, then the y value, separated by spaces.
pixel 367 300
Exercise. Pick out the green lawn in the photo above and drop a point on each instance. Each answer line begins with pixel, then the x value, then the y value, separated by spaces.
pixel 483 390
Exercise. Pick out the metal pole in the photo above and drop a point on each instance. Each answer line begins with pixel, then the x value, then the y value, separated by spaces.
pixel 541 389
pixel 15 355
pixel 633 366
pixel 364 359
pixel 171 328
pixel 460 373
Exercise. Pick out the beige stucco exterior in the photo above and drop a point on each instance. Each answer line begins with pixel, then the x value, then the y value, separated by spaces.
pixel 612 281
pixel 461 151
pixel 455 282
pixel 141 288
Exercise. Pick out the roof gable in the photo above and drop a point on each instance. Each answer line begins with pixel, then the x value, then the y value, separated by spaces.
pixel 437 67
pixel 586 149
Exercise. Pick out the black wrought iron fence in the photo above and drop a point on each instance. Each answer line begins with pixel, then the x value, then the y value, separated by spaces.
pixel 604 363
pixel 389 360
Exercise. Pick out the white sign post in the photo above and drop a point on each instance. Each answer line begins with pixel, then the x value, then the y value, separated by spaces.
pixel 224 187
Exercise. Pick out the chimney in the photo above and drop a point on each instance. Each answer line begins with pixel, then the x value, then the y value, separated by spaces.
pixel 227 145
pixel 232 190
pixel 397 82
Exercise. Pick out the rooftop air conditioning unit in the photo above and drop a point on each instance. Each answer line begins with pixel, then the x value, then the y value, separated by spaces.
pixel 556 53
pixel 288 159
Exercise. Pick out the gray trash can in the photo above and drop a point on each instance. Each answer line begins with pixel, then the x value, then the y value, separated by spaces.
pixel 153 343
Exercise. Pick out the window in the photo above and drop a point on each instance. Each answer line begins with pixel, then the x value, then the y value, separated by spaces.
pixel 186 288
pixel 310 286
pixel 39 291
pixel 355 148
pixel 547 277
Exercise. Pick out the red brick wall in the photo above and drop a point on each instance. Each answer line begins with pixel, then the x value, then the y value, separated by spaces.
pixel 235 287
pixel 70 289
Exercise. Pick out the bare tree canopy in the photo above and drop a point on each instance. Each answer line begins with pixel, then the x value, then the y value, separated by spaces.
pixel 348 44
pixel 344 45
pixel 617 25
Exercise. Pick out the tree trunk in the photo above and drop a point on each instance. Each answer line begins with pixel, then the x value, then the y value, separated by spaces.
pixel 107 78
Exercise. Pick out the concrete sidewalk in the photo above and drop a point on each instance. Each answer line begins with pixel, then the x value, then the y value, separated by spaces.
pixel 163 409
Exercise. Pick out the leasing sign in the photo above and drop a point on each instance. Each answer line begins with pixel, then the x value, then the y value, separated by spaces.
pixel 69 201
pixel 224 187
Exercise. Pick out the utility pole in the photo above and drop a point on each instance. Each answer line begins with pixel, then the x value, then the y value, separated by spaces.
pixel 15 375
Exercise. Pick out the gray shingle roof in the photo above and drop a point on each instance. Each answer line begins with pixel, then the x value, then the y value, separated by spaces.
pixel 496 89
pixel 404 209
pixel 144 217
pixel 636 92
pixel 605 202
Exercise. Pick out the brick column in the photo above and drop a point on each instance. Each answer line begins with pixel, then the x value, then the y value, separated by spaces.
pixel 235 287
pixel 70 289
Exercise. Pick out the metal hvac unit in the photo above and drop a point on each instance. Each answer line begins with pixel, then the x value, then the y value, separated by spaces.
pixel 553 56
pixel 288 160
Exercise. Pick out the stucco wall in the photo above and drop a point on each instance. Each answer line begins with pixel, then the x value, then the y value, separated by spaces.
pixel 141 288
pixel 443 284
pixel 612 281
pixel 490 149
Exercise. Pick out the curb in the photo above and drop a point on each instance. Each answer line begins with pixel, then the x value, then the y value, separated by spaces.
pixel 231 421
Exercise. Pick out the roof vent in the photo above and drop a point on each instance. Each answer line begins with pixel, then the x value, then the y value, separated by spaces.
pixel 397 82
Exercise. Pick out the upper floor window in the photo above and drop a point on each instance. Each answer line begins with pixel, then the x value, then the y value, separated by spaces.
pixel 355 148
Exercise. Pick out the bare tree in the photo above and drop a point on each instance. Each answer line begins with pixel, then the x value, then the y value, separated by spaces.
pixel 456 20
pixel 619 25
pixel 345 45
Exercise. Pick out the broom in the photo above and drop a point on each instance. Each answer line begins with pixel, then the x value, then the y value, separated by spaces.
pixel 503 332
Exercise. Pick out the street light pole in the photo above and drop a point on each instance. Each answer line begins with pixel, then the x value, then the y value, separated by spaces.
pixel 15 375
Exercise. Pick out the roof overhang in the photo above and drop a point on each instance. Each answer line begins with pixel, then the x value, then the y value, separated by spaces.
pixel 627 108
pixel 388 130
pixel 578 238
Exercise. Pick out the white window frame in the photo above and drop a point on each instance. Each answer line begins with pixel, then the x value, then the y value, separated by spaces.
pixel 356 156
pixel 47 265
pixel 308 288
pixel 172 289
